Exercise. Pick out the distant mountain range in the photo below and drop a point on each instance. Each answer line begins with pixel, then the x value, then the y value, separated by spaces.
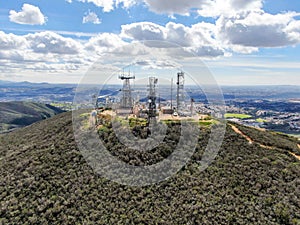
pixel 46 92
pixel 19 114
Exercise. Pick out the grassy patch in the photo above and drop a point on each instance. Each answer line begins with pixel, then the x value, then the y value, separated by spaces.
pixel 260 120
pixel 137 122
pixel 208 122
pixel 237 115
pixel 84 115
pixel 205 123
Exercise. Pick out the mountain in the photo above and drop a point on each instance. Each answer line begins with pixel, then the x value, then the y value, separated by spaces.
pixel 19 114
pixel 44 179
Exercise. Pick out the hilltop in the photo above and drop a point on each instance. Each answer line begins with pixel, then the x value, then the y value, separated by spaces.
pixel 18 114
pixel 45 180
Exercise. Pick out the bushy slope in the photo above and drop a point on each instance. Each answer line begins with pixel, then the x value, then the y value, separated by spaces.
pixel 20 114
pixel 45 180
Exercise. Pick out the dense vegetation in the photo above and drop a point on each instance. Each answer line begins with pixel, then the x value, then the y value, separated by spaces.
pixel 19 114
pixel 45 180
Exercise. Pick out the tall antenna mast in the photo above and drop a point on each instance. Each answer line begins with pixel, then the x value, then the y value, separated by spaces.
pixel 126 101
pixel 171 93
pixel 152 98
pixel 180 91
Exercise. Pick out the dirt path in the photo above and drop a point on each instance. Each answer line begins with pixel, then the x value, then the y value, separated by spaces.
pixel 236 130
pixel 296 156
pixel 251 141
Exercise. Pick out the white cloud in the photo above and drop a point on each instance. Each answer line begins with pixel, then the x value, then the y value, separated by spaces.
pixel 107 5
pixel 174 6
pixel 216 8
pixel 126 3
pixel 244 32
pixel 157 64
pixel 206 8
pixel 259 29
pixel 11 41
pixel 207 51
pixel 143 31
pixel 110 5
pixel 13 55
pixel 199 38
pixel 29 14
pixel 91 17
pixel 42 51
pixel 104 42
pixel 198 34
pixel 50 42
pixel 179 34
pixel 73 33
pixel 293 30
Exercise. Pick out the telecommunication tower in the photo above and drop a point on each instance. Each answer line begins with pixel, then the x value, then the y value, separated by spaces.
pixel 152 97
pixel 192 106
pixel 180 91
pixel 127 100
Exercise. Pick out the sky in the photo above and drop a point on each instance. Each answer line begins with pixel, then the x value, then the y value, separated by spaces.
pixel 241 42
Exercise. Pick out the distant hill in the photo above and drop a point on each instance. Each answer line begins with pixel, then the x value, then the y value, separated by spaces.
pixel 45 180
pixel 19 114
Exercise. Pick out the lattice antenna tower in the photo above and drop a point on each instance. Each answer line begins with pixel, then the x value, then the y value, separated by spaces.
pixel 152 91
pixel 180 91
pixel 127 100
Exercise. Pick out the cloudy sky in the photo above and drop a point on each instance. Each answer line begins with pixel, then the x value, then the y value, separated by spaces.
pixel 241 41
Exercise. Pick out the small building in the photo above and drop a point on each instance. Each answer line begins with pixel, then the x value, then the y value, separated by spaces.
pixel 167 111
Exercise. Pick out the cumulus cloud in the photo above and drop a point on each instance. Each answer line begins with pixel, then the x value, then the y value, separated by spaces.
pixel 11 55
pixel 174 6
pixel 11 41
pixel 110 5
pixel 199 37
pixel 29 14
pixel 179 34
pixel 50 42
pixel 143 31
pixel 244 32
pixel 104 42
pixel 207 51
pixel 42 50
pixel 157 64
pixel 107 5
pixel 259 29
pixel 206 8
pixel 91 17
pixel 126 3
pixel 293 30
pixel 216 8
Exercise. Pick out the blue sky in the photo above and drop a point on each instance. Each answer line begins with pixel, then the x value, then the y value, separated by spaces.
pixel 243 42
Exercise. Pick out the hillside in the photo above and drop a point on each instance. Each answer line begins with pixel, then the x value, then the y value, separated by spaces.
pixel 45 180
pixel 19 114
